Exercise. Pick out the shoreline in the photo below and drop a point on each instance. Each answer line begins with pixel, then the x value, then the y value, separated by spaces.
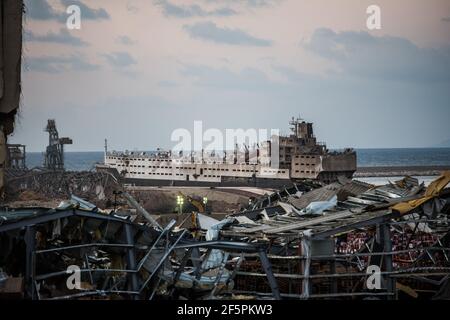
pixel 394 171
pixel 361 172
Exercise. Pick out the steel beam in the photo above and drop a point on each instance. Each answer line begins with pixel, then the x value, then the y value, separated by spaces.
pixel 30 242
pixel 385 232
pixel 133 284
pixel 270 277
pixel 51 215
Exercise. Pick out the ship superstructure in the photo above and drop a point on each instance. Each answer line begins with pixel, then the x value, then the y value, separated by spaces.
pixel 299 157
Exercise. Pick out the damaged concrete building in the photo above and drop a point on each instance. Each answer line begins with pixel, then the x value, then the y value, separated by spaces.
pixel 10 73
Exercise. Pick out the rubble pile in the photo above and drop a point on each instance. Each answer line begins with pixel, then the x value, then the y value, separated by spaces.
pixel 345 240
pixel 36 184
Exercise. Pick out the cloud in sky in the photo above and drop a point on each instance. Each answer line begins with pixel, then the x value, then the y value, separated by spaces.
pixel 295 76
pixel 248 79
pixel 132 8
pixel 42 10
pixel 209 31
pixel 385 57
pixel 125 40
pixel 223 8
pixel 242 70
pixel 88 12
pixel 368 107
pixel 167 84
pixel 59 64
pixel 120 59
pixel 62 37
pixel 249 3
pixel 193 10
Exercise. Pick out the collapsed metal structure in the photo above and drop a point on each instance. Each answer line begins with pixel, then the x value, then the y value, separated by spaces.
pixel 16 156
pixel 93 186
pixel 115 256
pixel 329 242
pixel 397 229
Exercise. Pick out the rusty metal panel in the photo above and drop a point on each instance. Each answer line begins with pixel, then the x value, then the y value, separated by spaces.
pixel 11 39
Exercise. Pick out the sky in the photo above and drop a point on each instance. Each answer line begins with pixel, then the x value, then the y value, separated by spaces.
pixel 139 69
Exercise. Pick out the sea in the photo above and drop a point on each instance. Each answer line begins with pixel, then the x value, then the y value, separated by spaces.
pixel 85 161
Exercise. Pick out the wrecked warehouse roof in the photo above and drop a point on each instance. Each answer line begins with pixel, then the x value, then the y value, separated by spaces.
pixel 116 256
pixel 270 252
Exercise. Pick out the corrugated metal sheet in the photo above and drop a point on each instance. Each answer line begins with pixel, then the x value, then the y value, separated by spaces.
pixel 320 194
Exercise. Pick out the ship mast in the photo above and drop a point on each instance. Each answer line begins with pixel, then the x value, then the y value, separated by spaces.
pixel 295 123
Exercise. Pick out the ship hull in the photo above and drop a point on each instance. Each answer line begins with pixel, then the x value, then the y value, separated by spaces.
pixel 258 183
pixel 225 181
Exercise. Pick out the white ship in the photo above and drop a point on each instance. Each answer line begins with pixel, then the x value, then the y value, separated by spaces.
pixel 299 157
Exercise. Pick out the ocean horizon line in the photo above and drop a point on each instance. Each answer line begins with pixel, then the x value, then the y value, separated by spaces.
pixel 139 150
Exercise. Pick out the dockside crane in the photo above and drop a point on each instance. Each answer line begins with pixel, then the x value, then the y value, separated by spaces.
pixel 54 154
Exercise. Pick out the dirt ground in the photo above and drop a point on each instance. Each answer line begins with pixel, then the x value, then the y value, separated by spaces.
pixel 48 189
pixel 163 200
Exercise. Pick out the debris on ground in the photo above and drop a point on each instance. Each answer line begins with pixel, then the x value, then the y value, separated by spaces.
pixel 301 242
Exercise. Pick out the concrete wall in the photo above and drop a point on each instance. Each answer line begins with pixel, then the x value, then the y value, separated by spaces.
pixel 10 69
pixel 10 59
pixel 339 162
